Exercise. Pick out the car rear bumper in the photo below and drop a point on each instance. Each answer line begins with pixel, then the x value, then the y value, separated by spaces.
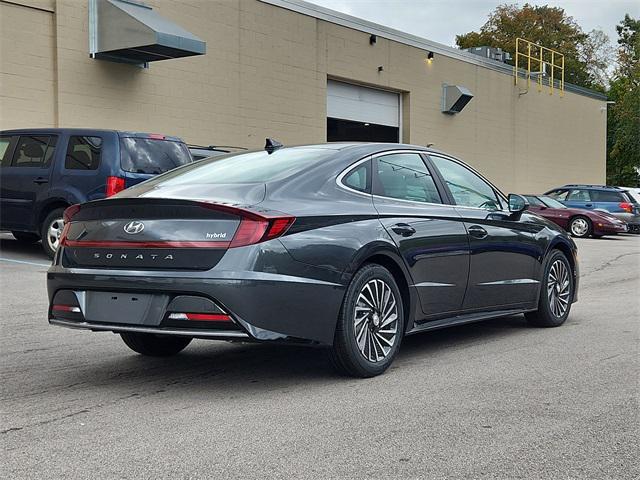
pixel 261 306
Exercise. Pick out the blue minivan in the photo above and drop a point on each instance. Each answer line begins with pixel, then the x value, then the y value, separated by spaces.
pixel 614 200
pixel 43 171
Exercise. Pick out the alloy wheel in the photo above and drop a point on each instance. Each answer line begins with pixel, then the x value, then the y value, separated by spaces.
pixel 559 288
pixel 579 227
pixel 54 232
pixel 376 320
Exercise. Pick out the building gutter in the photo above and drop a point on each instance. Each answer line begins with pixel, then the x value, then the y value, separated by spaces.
pixel 355 23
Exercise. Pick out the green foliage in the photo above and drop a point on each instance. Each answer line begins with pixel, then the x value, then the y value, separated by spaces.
pixel 623 126
pixel 585 53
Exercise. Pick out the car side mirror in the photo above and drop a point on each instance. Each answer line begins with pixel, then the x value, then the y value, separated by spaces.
pixel 517 203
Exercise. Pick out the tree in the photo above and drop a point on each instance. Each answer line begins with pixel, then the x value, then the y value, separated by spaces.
pixel 585 54
pixel 623 126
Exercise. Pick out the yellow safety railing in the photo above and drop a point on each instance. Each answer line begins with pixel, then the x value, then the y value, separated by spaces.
pixel 540 59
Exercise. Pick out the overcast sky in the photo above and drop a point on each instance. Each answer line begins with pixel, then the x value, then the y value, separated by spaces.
pixel 442 20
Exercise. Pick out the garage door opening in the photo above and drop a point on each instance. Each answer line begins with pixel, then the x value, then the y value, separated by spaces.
pixel 339 130
pixel 361 114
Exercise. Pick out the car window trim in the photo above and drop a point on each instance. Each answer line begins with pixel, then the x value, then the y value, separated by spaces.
pixel 501 197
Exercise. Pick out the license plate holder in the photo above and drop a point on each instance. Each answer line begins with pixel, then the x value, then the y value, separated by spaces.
pixel 124 308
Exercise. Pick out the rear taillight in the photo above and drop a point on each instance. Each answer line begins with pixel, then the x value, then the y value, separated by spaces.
pixel 114 185
pixel 67 216
pixel 255 228
pixel 70 212
pixel 626 206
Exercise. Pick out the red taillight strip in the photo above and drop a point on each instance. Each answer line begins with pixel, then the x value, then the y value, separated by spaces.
pixel 201 317
pixel 160 244
pixel 65 308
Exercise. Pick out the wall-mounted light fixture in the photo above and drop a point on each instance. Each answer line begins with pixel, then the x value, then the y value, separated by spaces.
pixel 373 39
pixel 429 57
pixel 380 69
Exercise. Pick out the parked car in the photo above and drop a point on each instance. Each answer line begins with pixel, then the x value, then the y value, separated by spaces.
pixel 579 222
pixel 351 246
pixel 198 152
pixel 633 192
pixel 43 171
pixel 599 197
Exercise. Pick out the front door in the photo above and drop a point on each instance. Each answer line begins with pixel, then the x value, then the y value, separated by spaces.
pixel 504 253
pixel 429 234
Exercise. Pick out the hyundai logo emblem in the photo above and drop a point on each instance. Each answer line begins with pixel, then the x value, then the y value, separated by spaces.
pixel 134 227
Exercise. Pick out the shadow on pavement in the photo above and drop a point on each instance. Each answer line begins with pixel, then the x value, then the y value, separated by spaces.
pixel 258 367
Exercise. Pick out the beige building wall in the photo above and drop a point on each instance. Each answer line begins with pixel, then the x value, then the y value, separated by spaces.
pixel 265 74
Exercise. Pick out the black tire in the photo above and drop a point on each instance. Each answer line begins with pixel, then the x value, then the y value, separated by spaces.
pixel 155 345
pixel 546 316
pixel 345 354
pixel 580 232
pixel 25 237
pixel 53 218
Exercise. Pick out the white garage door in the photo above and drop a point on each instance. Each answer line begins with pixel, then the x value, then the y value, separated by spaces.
pixel 362 104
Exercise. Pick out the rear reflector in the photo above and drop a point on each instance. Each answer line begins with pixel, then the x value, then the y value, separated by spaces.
pixel 201 317
pixel 65 308
pixel 114 185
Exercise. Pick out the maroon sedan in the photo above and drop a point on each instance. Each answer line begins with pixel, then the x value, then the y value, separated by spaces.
pixel 578 222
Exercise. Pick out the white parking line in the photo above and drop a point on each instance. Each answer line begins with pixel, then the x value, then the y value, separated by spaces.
pixel 25 262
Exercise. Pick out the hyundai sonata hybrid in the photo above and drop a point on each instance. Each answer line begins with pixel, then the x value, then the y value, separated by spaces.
pixel 347 246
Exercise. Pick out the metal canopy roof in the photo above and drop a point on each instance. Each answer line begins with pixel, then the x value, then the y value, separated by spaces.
pixel 132 32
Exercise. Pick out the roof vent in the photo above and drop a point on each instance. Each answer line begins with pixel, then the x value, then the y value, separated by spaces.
pixel 492 53
pixel 455 98
pixel 132 32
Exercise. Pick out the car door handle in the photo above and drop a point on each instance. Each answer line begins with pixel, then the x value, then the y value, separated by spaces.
pixel 477 231
pixel 589 205
pixel 403 229
pixel 40 180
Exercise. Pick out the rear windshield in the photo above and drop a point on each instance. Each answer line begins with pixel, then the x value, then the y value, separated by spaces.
pixel 252 167
pixel 147 155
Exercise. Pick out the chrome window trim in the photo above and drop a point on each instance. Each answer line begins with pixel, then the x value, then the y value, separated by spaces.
pixel 372 157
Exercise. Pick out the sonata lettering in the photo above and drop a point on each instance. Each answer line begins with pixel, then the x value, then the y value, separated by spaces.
pixel 139 256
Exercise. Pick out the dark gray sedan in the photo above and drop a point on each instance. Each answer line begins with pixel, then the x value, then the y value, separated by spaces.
pixel 349 246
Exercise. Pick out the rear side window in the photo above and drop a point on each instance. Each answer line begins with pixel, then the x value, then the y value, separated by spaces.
pixel 605 196
pixel 147 155
pixel 358 178
pixel 32 151
pixel 405 176
pixel 83 153
pixel 579 196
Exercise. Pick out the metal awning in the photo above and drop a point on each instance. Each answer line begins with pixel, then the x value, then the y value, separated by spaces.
pixel 132 32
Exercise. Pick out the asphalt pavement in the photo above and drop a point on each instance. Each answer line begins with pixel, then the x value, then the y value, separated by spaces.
pixel 496 399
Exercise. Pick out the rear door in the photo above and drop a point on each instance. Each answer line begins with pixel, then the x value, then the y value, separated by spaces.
pixel 504 252
pixel 429 234
pixel 25 180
